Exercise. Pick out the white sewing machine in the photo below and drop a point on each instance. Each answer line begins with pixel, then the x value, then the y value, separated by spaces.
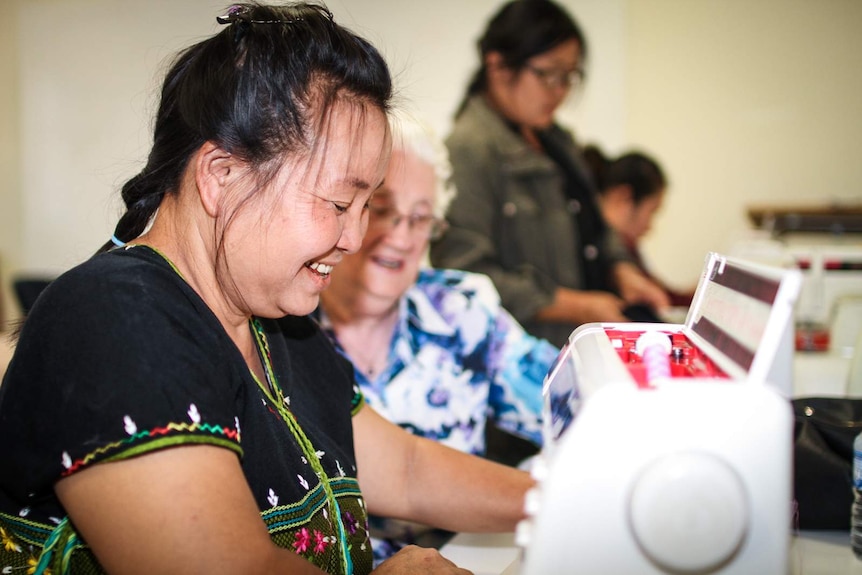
pixel 668 447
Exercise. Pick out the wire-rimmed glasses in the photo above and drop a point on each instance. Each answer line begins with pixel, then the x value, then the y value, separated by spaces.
pixel 385 216
pixel 556 78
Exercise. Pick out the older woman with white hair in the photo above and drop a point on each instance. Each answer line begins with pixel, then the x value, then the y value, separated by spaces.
pixel 433 350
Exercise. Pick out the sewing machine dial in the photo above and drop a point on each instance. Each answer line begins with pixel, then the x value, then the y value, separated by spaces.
pixel 688 512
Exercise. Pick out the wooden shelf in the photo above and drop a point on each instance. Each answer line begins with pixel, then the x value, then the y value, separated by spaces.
pixel 834 219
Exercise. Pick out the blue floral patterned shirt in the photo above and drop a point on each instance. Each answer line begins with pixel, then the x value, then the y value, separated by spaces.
pixel 457 359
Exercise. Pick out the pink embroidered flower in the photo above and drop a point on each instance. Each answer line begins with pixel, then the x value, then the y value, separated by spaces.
pixel 303 539
pixel 320 542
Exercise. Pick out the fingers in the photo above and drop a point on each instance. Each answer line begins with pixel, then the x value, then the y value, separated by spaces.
pixel 413 559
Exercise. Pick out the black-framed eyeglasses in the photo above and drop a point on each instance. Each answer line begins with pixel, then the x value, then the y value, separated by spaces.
pixel 386 217
pixel 555 78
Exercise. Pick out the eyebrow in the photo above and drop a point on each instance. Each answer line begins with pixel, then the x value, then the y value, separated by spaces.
pixel 362 184
pixel 357 183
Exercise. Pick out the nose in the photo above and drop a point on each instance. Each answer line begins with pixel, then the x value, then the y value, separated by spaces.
pixel 352 234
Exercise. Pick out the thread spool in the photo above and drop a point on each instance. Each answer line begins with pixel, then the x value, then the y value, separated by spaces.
pixel 654 348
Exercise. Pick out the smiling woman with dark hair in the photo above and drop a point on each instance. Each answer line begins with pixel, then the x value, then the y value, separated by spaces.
pixel 170 408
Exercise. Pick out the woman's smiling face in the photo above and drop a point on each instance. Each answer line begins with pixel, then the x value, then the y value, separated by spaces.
pixel 400 222
pixel 281 245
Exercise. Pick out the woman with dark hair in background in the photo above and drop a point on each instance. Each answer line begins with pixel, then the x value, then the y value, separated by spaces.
pixel 632 188
pixel 170 408
pixel 526 212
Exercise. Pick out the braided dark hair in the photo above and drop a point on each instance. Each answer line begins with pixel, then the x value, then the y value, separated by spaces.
pixel 249 89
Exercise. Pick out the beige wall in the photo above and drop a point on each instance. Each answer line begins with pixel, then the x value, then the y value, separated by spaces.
pixel 10 198
pixel 741 101
pixel 745 102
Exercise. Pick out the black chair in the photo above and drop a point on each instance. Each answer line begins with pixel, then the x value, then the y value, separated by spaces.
pixel 27 289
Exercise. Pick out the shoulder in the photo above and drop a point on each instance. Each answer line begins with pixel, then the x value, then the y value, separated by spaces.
pixel 113 287
pixel 451 287
pixel 120 274
pixel 478 127
pixel 115 316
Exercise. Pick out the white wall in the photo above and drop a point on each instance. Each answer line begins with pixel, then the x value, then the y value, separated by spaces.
pixel 10 198
pixel 741 101
pixel 90 70
pixel 745 102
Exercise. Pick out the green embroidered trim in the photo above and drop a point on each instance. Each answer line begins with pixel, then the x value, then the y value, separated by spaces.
pixel 299 513
pixel 175 439
pixel 159 253
pixel 53 546
pixel 24 530
pixel 282 404
pixel 357 403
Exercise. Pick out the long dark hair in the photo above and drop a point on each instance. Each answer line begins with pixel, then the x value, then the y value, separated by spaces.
pixel 635 169
pixel 254 89
pixel 520 30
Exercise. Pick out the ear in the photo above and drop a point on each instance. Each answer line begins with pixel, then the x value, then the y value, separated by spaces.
pixel 214 170
pixel 496 68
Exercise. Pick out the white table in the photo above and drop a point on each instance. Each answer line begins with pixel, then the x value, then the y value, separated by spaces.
pixel 811 553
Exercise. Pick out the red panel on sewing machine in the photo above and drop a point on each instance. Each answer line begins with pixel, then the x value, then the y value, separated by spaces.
pixel 686 360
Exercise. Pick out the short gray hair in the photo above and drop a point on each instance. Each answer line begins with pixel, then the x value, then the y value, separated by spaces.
pixel 413 135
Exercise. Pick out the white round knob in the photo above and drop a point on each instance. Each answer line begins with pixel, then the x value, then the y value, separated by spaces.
pixel 689 512
pixel 532 501
pixel 523 533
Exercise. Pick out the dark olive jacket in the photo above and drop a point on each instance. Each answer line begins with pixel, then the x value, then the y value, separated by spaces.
pixel 512 219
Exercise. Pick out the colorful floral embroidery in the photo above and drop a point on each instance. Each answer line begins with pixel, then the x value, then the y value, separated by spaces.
pixel 32 563
pixel 303 538
pixel 320 542
pixel 350 522
pixel 72 466
pixel 7 541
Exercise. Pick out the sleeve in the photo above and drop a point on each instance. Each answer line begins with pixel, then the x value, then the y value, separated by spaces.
pixel 469 243
pixel 517 365
pixel 615 249
pixel 110 368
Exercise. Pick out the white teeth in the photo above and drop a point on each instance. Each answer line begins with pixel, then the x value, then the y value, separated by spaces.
pixel 320 268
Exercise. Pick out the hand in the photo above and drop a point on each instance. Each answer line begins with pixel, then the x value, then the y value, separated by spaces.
pixel 413 559
pixel 579 307
pixel 635 287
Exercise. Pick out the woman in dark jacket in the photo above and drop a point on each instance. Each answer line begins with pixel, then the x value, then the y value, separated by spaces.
pixel 526 213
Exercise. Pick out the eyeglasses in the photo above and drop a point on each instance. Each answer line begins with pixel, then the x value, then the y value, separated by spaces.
pixel 386 217
pixel 552 78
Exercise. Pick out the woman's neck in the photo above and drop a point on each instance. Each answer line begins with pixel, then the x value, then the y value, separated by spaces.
pixel 364 334
pixel 526 132
pixel 196 262
pixel 529 135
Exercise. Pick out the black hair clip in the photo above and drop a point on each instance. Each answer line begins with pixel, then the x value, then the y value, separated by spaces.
pixel 233 14
pixel 239 13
